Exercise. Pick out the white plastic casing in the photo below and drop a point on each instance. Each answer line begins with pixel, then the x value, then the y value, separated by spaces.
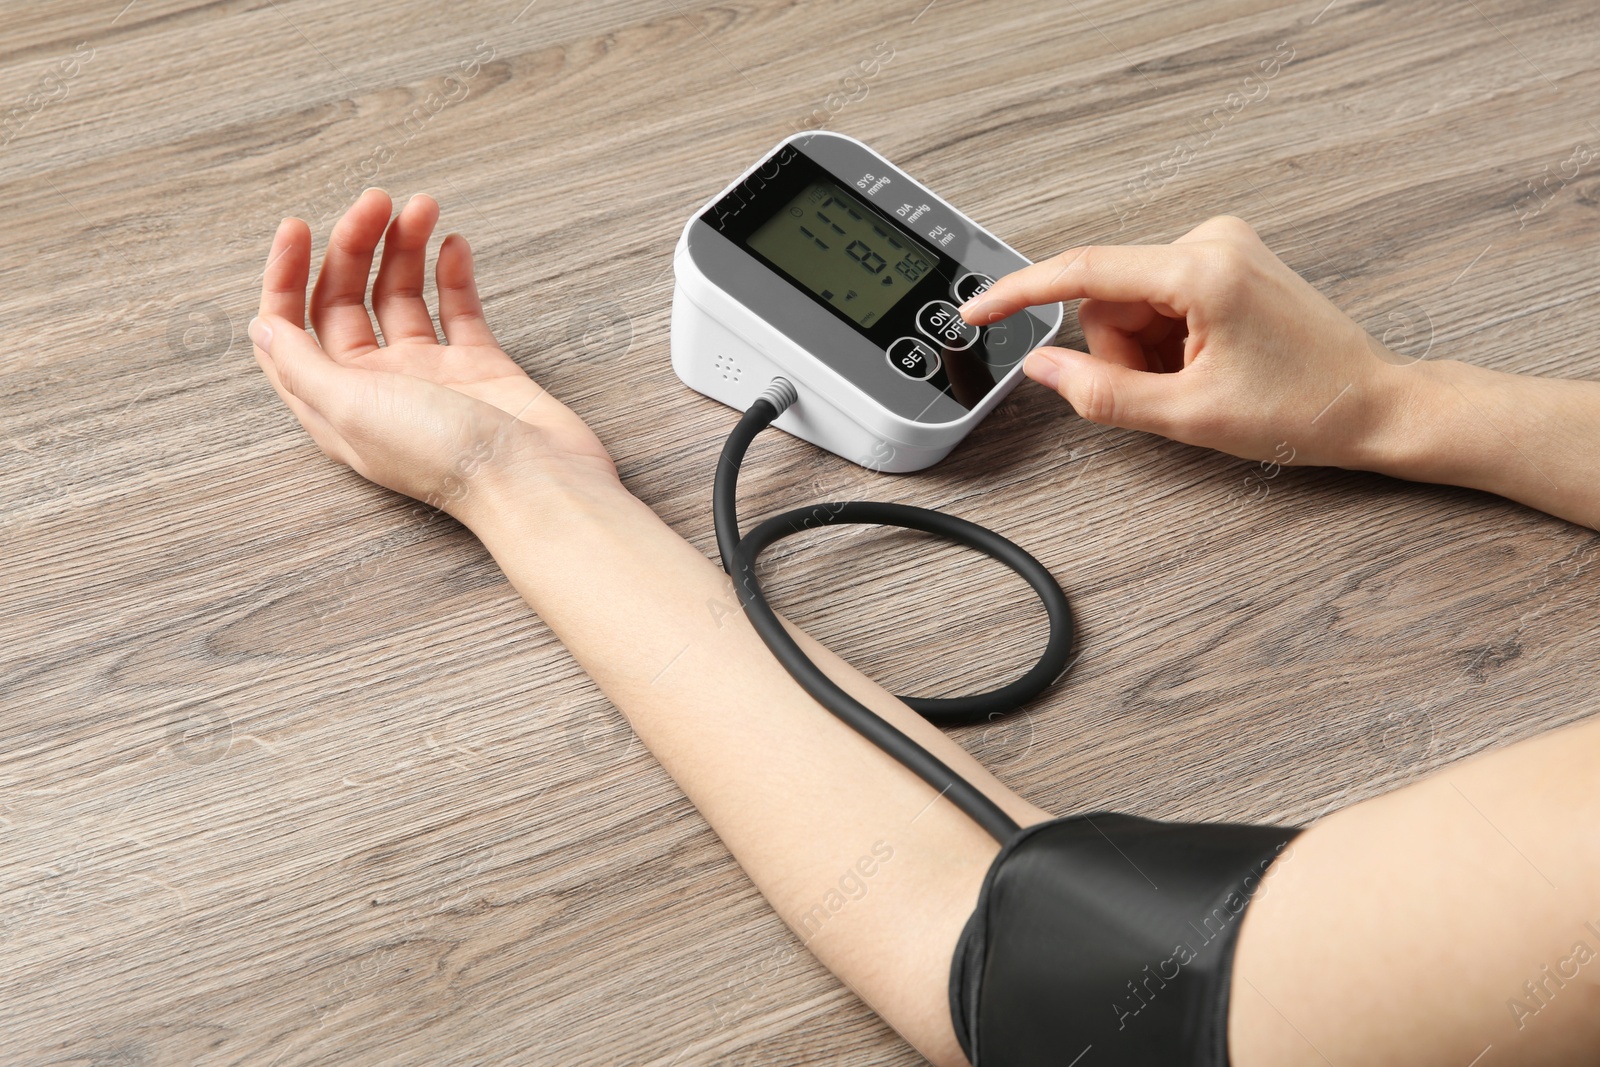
pixel 725 350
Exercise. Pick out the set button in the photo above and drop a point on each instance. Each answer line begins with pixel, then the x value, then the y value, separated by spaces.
pixel 940 320
pixel 970 285
pixel 914 358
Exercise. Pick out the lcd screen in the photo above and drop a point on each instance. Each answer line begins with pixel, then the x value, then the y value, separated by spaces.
pixel 843 251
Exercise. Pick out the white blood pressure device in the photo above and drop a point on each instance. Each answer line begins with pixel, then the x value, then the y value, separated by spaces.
pixel 827 265
pixel 818 294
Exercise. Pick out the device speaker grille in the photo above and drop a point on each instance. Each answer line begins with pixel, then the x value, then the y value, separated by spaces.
pixel 729 370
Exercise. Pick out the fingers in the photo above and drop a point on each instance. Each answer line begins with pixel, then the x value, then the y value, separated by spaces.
pixel 283 282
pixel 397 293
pixel 1160 275
pixel 283 296
pixel 339 301
pixel 460 309
pixel 1107 392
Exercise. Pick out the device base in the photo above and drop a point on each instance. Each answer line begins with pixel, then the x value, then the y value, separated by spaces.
pixel 711 359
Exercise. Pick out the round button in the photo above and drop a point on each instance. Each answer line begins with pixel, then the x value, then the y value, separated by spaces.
pixel 970 285
pixel 940 320
pixel 1004 344
pixel 914 358
pixel 1007 342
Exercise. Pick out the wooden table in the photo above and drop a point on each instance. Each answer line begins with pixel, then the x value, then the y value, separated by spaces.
pixel 289 774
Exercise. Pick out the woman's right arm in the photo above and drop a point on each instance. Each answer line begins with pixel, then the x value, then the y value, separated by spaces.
pixel 1443 923
pixel 1214 341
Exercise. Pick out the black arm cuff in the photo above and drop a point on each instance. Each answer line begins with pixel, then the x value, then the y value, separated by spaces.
pixel 1108 938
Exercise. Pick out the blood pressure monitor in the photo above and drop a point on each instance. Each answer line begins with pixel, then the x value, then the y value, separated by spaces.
pixel 827 265
pixel 818 294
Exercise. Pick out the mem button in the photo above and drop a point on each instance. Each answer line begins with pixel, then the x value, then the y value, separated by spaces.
pixel 913 358
pixel 970 285
pixel 940 320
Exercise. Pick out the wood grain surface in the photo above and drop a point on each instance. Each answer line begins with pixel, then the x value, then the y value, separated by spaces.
pixel 289 774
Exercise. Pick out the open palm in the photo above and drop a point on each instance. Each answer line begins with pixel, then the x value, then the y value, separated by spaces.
pixel 411 414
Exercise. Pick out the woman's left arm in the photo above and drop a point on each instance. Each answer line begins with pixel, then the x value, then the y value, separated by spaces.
pixel 813 812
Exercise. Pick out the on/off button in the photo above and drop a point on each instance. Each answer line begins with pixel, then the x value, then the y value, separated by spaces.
pixel 940 320
pixel 914 358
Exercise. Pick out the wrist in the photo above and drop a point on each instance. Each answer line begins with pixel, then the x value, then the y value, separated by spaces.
pixel 1434 423
pixel 520 503
pixel 578 547
pixel 514 469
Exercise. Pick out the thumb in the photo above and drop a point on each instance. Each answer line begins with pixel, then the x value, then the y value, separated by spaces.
pixel 1106 392
pixel 281 354
pixel 302 369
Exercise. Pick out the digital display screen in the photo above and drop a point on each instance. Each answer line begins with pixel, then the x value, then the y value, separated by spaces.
pixel 843 251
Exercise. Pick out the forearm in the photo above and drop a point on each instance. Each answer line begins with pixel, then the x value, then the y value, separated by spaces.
pixel 798 797
pixel 1533 440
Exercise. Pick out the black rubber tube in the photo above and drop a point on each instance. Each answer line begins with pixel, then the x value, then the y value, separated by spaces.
pixel 739 553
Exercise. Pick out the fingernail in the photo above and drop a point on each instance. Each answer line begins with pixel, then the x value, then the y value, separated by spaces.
pixel 261 334
pixel 1042 369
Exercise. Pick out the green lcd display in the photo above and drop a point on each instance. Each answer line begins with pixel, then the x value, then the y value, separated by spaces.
pixel 837 247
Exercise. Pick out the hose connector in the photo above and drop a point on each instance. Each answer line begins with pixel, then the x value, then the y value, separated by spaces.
pixel 780 393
